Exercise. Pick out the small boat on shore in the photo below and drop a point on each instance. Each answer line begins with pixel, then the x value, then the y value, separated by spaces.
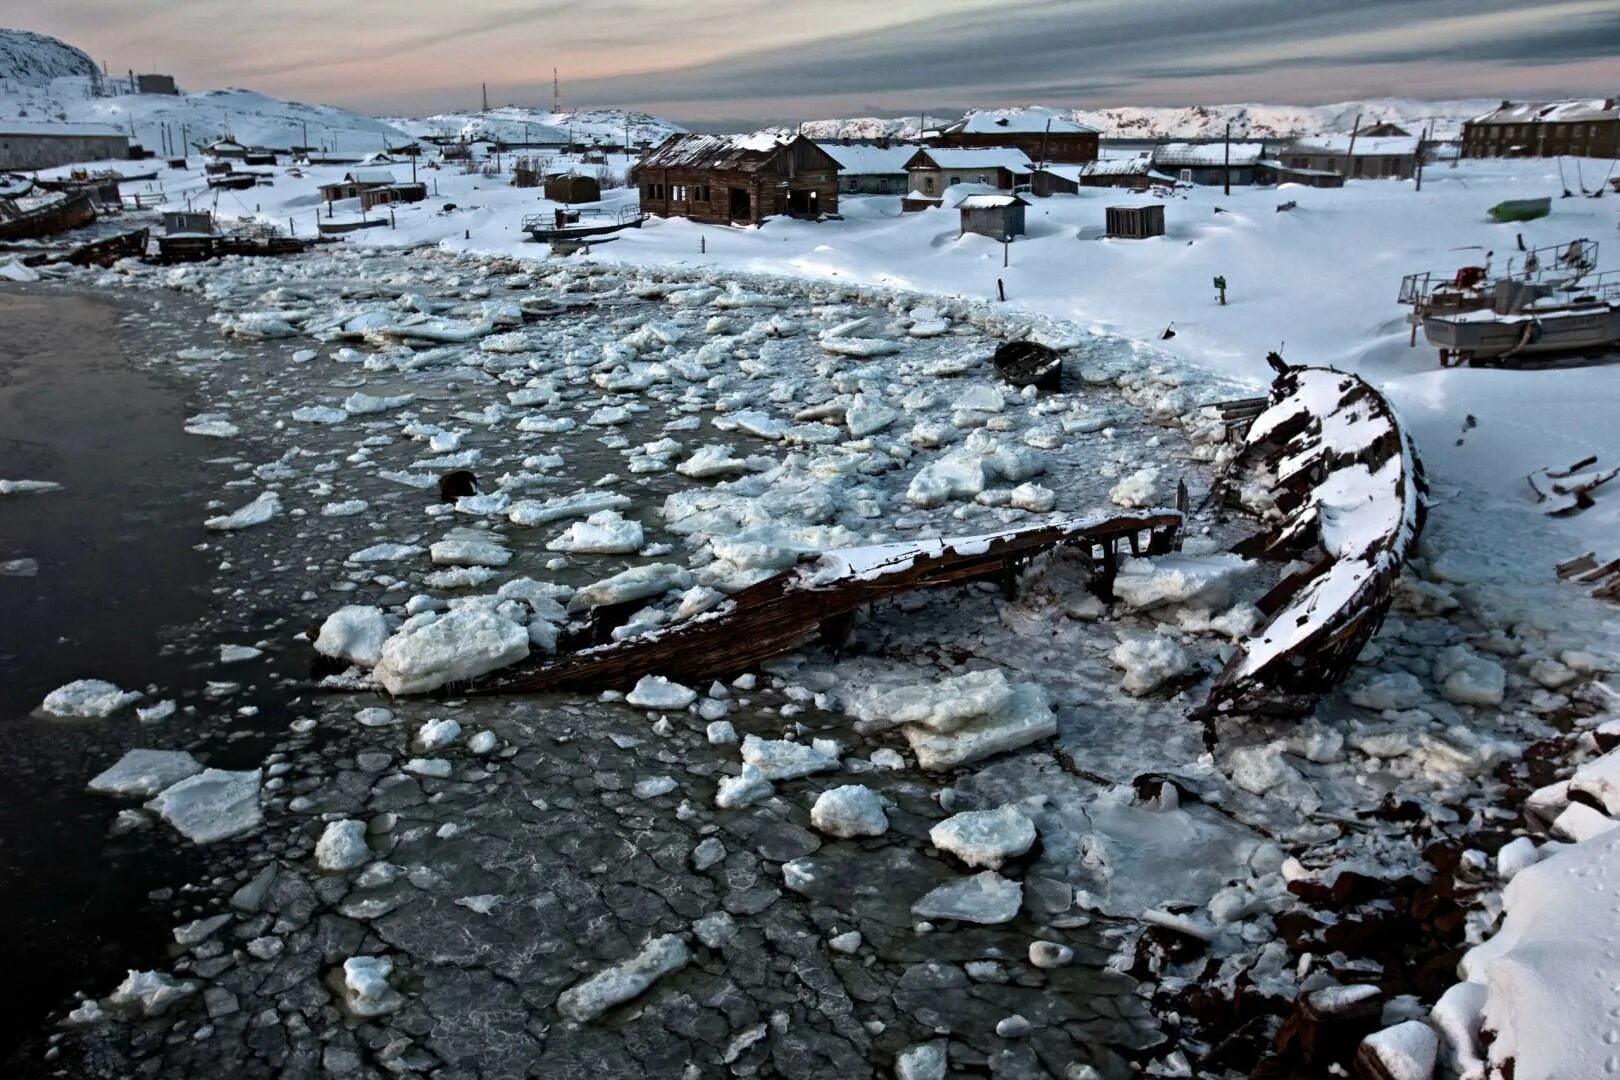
pixel 15 187
pixel 566 225
pixel 47 218
pixel 109 250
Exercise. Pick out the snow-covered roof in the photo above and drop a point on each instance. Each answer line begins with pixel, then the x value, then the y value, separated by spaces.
pixel 1030 120
pixel 989 157
pixel 989 202
pixel 868 160
pixel 1364 146
pixel 1183 154
pixel 692 151
pixel 1136 166
pixel 1552 112
pixel 53 127
pixel 369 176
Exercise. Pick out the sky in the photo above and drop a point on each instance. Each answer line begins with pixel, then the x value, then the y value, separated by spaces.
pixel 720 63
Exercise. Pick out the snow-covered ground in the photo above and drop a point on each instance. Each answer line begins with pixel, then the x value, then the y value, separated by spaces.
pixel 516 124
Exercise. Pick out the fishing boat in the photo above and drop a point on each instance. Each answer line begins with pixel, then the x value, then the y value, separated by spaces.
pixel 1547 301
pixel 19 221
pixel 110 249
pixel 15 187
pixel 88 181
pixel 199 247
pixel 566 224
pixel 1521 209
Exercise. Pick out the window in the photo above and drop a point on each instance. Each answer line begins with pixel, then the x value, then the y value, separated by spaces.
pixel 928 185
pixel 678 193
pixel 983 179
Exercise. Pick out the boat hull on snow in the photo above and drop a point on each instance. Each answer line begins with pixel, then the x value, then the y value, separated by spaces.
pixel 1471 337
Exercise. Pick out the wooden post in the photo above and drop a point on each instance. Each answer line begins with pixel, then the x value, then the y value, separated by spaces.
pixel 1001 290
pixel 1226 172
pixel 703 245
pixel 1005 245
pixel 1350 151
pixel 1423 138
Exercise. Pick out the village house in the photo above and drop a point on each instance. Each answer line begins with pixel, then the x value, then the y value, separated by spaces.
pixel 1381 130
pixel 156 84
pixel 1136 173
pixel 1043 135
pixel 929 172
pixel 870 169
pixel 373 187
pixel 1545 129
pixel 1209 163
pixel 1000 217
pixel 737 178
pixel 1359 157
pixel 32 144
pixel 226 148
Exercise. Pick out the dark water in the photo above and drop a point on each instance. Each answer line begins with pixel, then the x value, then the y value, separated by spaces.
pixel 116 567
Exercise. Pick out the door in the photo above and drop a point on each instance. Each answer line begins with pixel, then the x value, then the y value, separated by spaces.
pixel 741 209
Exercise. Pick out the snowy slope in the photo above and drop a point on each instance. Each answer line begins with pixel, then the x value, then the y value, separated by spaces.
pixel 30 59
pixel 250 117
pixel 516 124
pixel 1208 121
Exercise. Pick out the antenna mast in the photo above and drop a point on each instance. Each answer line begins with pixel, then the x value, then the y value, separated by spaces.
pixel 486 96
pixel 556 93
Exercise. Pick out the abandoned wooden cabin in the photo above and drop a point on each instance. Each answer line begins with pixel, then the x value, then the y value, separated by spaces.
pixel 226 148
pixel 187 221
pixel 407 192
pixel 1379 131
pixel 1135 222
pixel 354 183
pixel 1044 135
pixel 740 179
pixel 1209 163
pixel 1361 157
pixel 573 188
pixel 870 168
pixel 1545 129
pixel 930 171
pixel 1135 173
pixel 1000 217
pixel 1267 171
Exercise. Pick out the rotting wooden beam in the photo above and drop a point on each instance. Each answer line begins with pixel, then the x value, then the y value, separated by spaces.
pixel 819 596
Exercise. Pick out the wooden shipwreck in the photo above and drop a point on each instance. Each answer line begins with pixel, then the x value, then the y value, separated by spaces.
pixel 1349 501
pixel 818 598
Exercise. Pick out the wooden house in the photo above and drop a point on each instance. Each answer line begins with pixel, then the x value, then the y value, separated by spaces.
pixel 1134 173
pixel 187 221
pixel 226 148
pixel 1000 217
pixel 737 178
pixel 870 168
pixel 1384 130
pixel 1043 135
pixel 1209 163
pixel 1135 222
pixel 930 171
pixel 1543 129
pixel 385 194
pixel 573 188
pixel 355 182
pixel 1359 157
pixel 1268 171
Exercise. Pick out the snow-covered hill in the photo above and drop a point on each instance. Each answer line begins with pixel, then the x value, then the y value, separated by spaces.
pixel 30 59
pixel 516 124
pixel 1207 121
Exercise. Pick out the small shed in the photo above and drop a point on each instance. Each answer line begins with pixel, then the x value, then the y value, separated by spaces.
pixel 187 221
pixel 226 148
pixel 1135 222
pixel 1000 217
pixel 392 193
pixel 573 188
pixel 156 84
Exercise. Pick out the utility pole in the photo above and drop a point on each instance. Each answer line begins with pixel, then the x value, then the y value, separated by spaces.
pixel 1350 152
pixel 1044 135
pixel 486 96
pixel 1226 171
pixel 556 93
pixel 1423 138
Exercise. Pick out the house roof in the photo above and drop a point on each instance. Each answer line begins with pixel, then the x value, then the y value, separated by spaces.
pixel 745 153
pixel 989 202
pixel 1364 146
pixel 989 157
pixel 1029 120
pixel 369 176
pixel 1184 155
pixel 52 127
pixel 1551 112
pixel 867 160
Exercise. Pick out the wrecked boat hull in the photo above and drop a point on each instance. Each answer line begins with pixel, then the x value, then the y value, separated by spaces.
pixel 1471 339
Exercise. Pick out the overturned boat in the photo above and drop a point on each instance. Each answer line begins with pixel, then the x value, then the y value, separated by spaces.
pixel 1348 501
pixel 31 221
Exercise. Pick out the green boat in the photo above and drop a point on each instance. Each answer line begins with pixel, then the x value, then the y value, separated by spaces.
pixel 1521 209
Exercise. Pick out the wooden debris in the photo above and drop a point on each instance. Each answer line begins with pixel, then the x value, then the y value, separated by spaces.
pixel 819 596
pixel 1349 502
pixel 1566 492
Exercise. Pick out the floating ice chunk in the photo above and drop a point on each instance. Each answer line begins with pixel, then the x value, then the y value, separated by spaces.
pixel 236 654
pixel 88 698
pixel 496 502
pixel 858 346
pixel 849 810
pixel 354 633
pixel 153 714
pixel 1205 581
pixel 1388 690
pixel 346 508
pixel 924 1061
pixel 943 705
pixel 361 404
pixel 985 898
pixel 149 993
pixel 636 583
pixel 257 512
pixel 985 838
pixel 436 735
pixel 366 990
pixel 212 805
pixel 144 773
pixel 782 759
pixel 434 768
pixel 657 692
pixel 28 487
pixel 744 789
pixel 529 512
pixel 460 577
pixel 1034 498
pixel 653 786
pixel 961 719
pixel 868 415
pixel 1049 954
pixel 603 533
pixel 457 646
pixel 483 743
pixel 1140 488
pixel 456 552
pixel 619 984
pixel 384 552
pixel 714 460
pixel 1467 678
pixel 319 414
pixel 1149 661
pixel 342 846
